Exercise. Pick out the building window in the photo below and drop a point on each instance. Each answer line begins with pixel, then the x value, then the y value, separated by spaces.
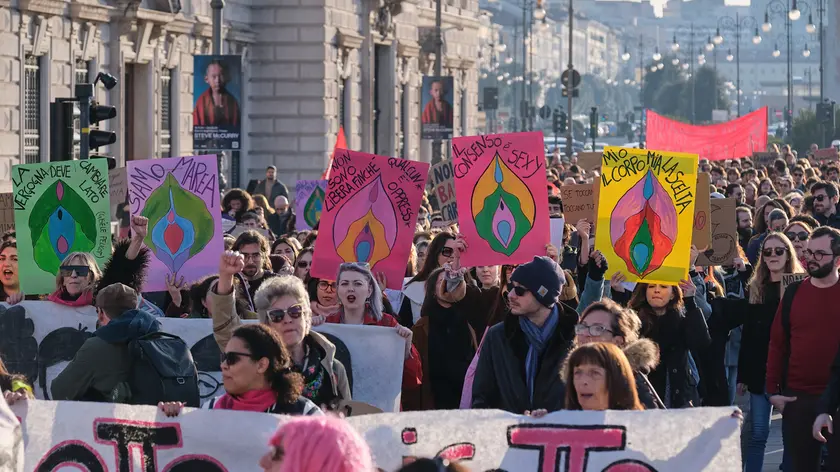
pixel 403 120
pixel 82 71
pixel 32 109
pixel 166 113
pixel 342 103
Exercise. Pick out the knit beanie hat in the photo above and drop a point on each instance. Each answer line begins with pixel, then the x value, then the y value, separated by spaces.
pixel 542 277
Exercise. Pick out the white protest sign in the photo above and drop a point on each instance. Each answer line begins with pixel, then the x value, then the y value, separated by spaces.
pixel 104 436
pixel 37 339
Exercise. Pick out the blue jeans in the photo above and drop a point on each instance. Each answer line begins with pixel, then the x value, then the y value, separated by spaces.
pixel 732 381
pixel 760 411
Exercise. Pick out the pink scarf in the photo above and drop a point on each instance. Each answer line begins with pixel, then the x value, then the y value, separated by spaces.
pixel 323 310
pixel 254 400
pixel 85 299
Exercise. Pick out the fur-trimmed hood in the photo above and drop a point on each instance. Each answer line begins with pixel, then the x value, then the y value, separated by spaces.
pixel 643 355
pixel 120 269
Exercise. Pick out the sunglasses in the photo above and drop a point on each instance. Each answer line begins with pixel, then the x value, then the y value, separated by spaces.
pixel 820 198
pixel 277 315
pixel 801 236
pixel 233 357
pixel 447 251
pixel 517 289
pixel 80 270
pixel 303 265
pixel 778 251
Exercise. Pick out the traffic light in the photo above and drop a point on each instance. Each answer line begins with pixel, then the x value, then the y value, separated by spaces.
pixel 98 138
pixel 65 136
pixel 562 122
pixel 825 113
pixel 555 124
pixel 593 123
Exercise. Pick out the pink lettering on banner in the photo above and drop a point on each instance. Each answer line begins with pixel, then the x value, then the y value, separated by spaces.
pixel 576 441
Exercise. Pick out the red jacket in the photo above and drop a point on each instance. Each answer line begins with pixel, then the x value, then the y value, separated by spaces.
pixel 412 370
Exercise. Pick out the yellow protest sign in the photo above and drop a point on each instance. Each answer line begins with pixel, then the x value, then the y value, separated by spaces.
pixel 646 213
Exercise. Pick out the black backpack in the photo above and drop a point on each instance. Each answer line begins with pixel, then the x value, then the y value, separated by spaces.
pixel 162 370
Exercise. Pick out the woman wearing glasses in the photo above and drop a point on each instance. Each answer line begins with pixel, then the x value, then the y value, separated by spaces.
pixel 322 299
pixel 303 263
pixel 756 312
pixel 283 305
pixel 798 232
pixel 608 322
pixel 258 376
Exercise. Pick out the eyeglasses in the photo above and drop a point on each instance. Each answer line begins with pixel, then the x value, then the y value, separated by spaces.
pixel 819 255
pixel 233 357
pixel 517 289
pixel 303 264
pixel 325 286
pixel 253 256
pixel 80 270
pixel 594 330
pixel 277 315
pixel 447 252
pixel 767 252
pixel 801 236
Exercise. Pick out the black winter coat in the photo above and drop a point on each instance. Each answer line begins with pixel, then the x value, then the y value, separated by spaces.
pixel 676 333
pixel 643 356
pixel 500 375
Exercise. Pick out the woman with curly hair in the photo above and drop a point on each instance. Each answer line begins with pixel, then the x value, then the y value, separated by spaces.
pixel 235 203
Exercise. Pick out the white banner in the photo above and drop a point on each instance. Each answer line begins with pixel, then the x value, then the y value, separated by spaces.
pixel 38 339
pixel 103 437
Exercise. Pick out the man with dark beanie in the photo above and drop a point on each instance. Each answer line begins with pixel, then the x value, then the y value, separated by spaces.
pixel 519 364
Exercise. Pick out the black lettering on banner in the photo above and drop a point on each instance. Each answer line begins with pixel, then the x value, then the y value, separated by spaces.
pixel 125 434
pixel 195 463
pixel 75 453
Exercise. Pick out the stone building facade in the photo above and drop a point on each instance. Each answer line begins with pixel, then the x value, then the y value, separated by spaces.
pixel 309 66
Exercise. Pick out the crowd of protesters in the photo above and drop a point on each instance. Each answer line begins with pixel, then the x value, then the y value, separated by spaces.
pixel 561 332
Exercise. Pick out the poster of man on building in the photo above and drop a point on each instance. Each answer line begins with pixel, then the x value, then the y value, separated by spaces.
pixel 217 118
pixel 437 97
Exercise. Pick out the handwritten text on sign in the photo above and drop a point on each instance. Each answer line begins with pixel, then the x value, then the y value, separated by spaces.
pixel 622 164
pixel 192 174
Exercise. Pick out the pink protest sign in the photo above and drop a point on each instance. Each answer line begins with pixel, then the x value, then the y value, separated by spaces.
pixel 502 197
pixel 370 213
pixel 180 197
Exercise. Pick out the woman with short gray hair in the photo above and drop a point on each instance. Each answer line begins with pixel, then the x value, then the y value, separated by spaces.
pixel 282 304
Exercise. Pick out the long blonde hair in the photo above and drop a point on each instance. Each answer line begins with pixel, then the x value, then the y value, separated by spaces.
pixel 760 279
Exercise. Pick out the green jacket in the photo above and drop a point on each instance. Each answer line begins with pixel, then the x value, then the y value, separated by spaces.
pixel 99 366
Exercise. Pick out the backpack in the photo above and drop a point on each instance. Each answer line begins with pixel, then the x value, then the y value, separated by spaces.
pixel 162 370
pixel 787 304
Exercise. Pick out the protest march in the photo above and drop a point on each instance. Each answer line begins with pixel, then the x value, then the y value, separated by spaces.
pixel 507 309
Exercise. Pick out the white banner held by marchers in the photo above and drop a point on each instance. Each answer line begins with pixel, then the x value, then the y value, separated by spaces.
pixel 121 437
pixel 38 339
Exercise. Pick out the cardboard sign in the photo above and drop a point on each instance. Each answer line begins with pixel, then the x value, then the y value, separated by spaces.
pixel 111 437
pixel 702 235
pixel 239 229
pixel 442 181
pixel 578 202
pixel 589 160
pixel 788 279
pixel 118 178
pixel 828 154
pixel 724 246
pixel 7 212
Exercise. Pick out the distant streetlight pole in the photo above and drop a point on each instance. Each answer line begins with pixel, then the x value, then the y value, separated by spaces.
pixel 736 24
pixel 569 89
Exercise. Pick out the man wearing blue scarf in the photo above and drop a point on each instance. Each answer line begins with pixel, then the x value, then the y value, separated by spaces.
pixel 519 364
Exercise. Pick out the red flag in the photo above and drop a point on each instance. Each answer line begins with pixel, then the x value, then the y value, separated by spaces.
pixel 340 143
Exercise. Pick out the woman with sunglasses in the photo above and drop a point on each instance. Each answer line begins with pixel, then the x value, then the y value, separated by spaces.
pixel 303 263
pixel 443 249
pixel 798 233
pixel 283 305
pixel 360 303
pixel 756 312
pixel 608 322
pixel 258 376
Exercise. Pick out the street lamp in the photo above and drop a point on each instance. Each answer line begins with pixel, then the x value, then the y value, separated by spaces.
pixel 738 24
pixel 675 61
pixel 757 37
pixel 626 56
pixel 656 55
pixel 811 28
pixel 729 56
pixel 776 52
pixel 660 66
pixel 806 52
pixel 710 46
pixel 718 38
pixel 539 12
pixel 794 12
pixel 675 46
pixel 766 26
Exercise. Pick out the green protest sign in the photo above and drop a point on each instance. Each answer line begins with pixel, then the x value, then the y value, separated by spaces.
pixel 60 208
